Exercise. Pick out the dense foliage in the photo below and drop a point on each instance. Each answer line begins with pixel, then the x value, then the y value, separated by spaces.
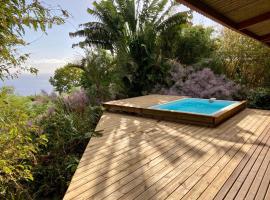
pixel 259 98
pixel 68 124
pixel 188 44
pixel 131 30
pixel 20 142
pixel 66 78
pixel 244 60
pixel 100 78
pixel 41 140
pixel 96 73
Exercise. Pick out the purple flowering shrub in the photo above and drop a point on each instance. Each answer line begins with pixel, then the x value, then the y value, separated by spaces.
pixel 203 83
pixel 77 101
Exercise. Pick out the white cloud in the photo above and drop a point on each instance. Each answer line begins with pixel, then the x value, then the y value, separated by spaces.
pixel 46 66
pixel 49 65
pixel 47 60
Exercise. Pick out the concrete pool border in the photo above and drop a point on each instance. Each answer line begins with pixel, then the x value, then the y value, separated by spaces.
pixel 126 106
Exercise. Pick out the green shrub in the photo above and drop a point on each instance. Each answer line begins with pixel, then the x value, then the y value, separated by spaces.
pixel 100 78
pixel 259 98
pixel 245 60
pixel 66 78
pixel 68 124
pixel 42 139
pixel 20 142
pixel 188 44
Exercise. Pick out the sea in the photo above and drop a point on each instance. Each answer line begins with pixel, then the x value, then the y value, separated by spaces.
pixel 28 84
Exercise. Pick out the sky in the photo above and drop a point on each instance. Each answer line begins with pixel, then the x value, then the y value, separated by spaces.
pixel 54 49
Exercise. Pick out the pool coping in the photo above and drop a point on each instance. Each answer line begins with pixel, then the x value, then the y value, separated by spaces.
pixel 182 117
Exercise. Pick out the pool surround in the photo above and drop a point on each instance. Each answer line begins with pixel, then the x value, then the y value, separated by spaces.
pixel 176 116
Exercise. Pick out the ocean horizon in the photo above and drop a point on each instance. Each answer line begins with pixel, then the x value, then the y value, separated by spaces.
pixel 28 84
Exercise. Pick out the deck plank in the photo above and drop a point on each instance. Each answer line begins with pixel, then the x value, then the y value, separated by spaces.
pixel 231 154
pixel 142 158
pixel 239 175
pixel 181 172
pixel 264 184
pixel 170 151
pixel 259 177
pixel 225 172
pixel 111 188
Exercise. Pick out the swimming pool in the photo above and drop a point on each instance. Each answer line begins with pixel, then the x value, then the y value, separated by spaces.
pixel 206 112
pixel 195 105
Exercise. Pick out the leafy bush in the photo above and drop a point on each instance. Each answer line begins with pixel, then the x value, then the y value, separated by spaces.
pixel 100 78
pixel 188 44
pixel 66 78
pixel 68 125
pixel 203 83
pixel 42 139
pixel 245 60
pixel 259 98
pixel 20 142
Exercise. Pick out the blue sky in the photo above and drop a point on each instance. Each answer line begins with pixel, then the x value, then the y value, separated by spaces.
pixel 51 50
pixel 54 49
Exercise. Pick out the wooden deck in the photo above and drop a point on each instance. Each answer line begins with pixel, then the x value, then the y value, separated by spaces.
pixel 142 158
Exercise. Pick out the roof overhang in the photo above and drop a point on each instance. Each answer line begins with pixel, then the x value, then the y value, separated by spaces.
pixel 249 17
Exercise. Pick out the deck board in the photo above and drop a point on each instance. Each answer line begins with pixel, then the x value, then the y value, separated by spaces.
pixel 142 158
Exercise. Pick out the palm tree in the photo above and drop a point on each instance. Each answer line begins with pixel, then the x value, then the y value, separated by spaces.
pixel 130 29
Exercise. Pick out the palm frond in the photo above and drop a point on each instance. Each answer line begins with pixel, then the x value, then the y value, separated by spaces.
pixel 109 15
pixel 119 22
pixel 176 19
pixel 159 8
pixel 90 28
pixel 155 9
pixel 143 16
pixel 127 10
pixel 96 34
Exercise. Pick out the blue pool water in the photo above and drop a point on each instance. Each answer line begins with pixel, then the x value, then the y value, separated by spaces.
pixel 195 105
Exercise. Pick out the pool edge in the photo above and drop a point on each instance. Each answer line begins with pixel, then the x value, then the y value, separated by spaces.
pixel 181 117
